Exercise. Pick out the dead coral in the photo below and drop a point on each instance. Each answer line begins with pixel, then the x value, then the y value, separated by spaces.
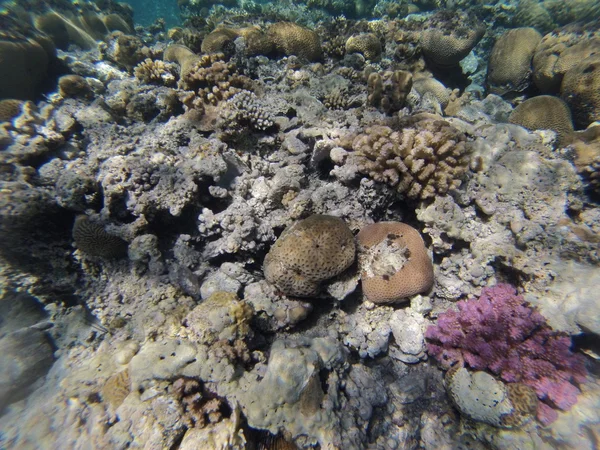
pixel 427 157
pixel 156 72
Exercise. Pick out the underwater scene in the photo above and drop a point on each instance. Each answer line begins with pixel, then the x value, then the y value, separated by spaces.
pixel 300 224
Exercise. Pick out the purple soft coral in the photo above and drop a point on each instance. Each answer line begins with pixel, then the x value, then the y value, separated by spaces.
pixel 502 334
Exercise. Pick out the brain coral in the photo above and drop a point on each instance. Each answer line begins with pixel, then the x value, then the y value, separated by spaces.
pixel 9 109
pixel 73 86
pixel 28 62
pixel 561 50
pixel 219 40
pixel 530 13
pixel 393 261
pixel 366 44
pixel 292 39
pixel 92 239
pixel 544 112
pixel 309 252
pixel 427 157
pixel 509 66
pixel 580 88
pixel 450 36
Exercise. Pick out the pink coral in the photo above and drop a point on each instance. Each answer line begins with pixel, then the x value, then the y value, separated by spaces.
pixel 499 332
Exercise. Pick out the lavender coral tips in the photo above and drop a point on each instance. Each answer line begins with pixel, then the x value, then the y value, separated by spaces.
pixel 500 333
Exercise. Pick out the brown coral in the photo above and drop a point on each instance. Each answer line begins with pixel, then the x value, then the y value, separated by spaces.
pixel 214 79
pixel 24 67
pixel 9 109
pixel 509 67
pixel 73 86
pixel 291 39
pixel 427 157
pixel 92 239
pixel 545 112
pixel 560 51
pixel 388 92
pixel 117 388
pixel 394 262
pixel 450 37
pixel 219 41
pixel 309 252
pixel 530 13
pixel 200 407
pixel 580 88
pixel 366 44
pixel 155 72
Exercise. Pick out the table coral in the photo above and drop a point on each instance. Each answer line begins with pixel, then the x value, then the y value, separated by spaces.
pixel 502 334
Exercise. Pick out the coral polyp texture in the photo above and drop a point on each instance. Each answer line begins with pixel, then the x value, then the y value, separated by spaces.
pixel 426 157
pixel 309 252
pixel 500 333
pixel 93 239
pixel 393 261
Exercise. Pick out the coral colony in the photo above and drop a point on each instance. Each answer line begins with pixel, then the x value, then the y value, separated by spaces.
pixel 499 332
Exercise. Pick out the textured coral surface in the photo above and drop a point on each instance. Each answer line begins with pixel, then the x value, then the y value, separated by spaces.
pixel 499 332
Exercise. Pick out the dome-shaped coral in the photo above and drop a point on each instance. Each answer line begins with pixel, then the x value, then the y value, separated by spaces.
pixel 366 44
pixel 393 261
pixel 450 37
pixel 509 67
pixel 292 39
pixel 544 112
pixel 580 88
pixel 308 253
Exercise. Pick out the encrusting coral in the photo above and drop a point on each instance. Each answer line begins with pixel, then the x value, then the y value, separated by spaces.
pixel 309 252
pixel 393 261
pixel 500 333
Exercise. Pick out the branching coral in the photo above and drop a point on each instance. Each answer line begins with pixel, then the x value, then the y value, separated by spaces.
pixel 156 72
pixel 427 157
pixel 502 334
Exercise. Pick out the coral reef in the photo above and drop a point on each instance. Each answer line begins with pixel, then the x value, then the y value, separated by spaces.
pixel 579 89
pixel 499 332
pixel 228 163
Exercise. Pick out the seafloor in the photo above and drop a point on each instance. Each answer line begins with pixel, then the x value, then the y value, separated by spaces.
pixel 150 297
